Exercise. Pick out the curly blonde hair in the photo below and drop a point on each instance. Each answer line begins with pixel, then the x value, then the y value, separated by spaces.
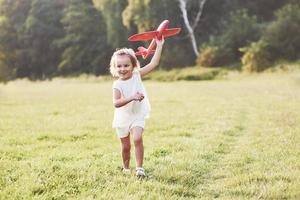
pixel 123 52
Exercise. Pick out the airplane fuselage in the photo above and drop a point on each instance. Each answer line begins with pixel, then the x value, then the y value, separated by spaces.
pixel 160 29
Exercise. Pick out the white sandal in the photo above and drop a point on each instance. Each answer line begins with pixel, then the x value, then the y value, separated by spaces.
pixel 140 172
pixel 126 171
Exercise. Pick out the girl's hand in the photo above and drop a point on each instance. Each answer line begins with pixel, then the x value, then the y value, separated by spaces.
pixel 160 42
pixel 138 97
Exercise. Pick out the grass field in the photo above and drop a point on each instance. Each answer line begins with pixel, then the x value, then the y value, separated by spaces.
pixel 226 139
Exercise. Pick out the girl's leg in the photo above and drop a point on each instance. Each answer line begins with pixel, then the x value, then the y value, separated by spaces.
pixel 137 133
pixel 126 151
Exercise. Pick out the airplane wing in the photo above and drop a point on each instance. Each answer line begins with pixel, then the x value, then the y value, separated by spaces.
pixel 143 36
pixel 171 31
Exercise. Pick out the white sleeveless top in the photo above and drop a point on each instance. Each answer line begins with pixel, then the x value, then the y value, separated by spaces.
pixel 125 115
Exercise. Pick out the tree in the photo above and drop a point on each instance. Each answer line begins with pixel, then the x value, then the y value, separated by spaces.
pixel 282 34
pixel 84 43
pixel 41 29
pixel 112 10
pixel 239 30
pixel 12 18
pixel 191 28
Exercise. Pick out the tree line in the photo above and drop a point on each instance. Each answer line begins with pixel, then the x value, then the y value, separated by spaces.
pixel 40 39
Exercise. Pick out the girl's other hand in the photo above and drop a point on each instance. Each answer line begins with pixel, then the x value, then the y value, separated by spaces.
pixel 138 97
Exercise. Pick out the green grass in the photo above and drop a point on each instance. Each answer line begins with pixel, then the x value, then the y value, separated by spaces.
pixel 228 139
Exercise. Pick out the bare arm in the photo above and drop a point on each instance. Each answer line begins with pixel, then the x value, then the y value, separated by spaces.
pixel 155 59
pixel 120 101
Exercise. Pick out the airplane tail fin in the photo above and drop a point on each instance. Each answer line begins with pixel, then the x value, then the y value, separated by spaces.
pixel 142 51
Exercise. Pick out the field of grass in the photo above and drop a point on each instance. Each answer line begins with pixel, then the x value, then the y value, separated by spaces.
pixel 228 139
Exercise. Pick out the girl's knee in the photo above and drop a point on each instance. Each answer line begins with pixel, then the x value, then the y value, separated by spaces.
pixel 126 147
pixel 138 140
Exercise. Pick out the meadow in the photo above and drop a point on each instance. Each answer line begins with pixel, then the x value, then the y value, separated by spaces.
pixel 234 138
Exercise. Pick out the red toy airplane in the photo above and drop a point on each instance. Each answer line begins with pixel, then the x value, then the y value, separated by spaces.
pixel 162 30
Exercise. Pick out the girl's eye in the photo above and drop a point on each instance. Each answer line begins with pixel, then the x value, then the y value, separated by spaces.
pixel 118 66
pixel 126 65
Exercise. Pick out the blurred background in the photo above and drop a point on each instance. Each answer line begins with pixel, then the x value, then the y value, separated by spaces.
pixel 42 39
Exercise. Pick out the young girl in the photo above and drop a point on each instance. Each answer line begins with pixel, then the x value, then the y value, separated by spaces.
pixel 131 102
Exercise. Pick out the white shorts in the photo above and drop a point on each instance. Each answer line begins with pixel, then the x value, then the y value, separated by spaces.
pixel 124 131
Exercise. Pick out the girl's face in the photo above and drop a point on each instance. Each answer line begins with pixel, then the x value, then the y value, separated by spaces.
pixel 124 67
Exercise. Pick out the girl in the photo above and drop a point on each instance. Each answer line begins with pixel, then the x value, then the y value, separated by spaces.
pixel 131 102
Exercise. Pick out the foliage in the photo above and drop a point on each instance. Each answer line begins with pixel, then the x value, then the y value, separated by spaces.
pixel 137 13
pixel 237 32
pixel 263 10
pixel 84 46
pixel 281 40
pixel 187 74
pixel 42 27
pixel 213 56
pixel 116 32
pixel 175 54
pixel 5 72
pixel 283 33
pixel 12 18
pixel 256 57
pixel 240 30
pixel 147 14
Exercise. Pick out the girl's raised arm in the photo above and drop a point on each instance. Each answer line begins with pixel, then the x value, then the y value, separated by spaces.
pixel 155 59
